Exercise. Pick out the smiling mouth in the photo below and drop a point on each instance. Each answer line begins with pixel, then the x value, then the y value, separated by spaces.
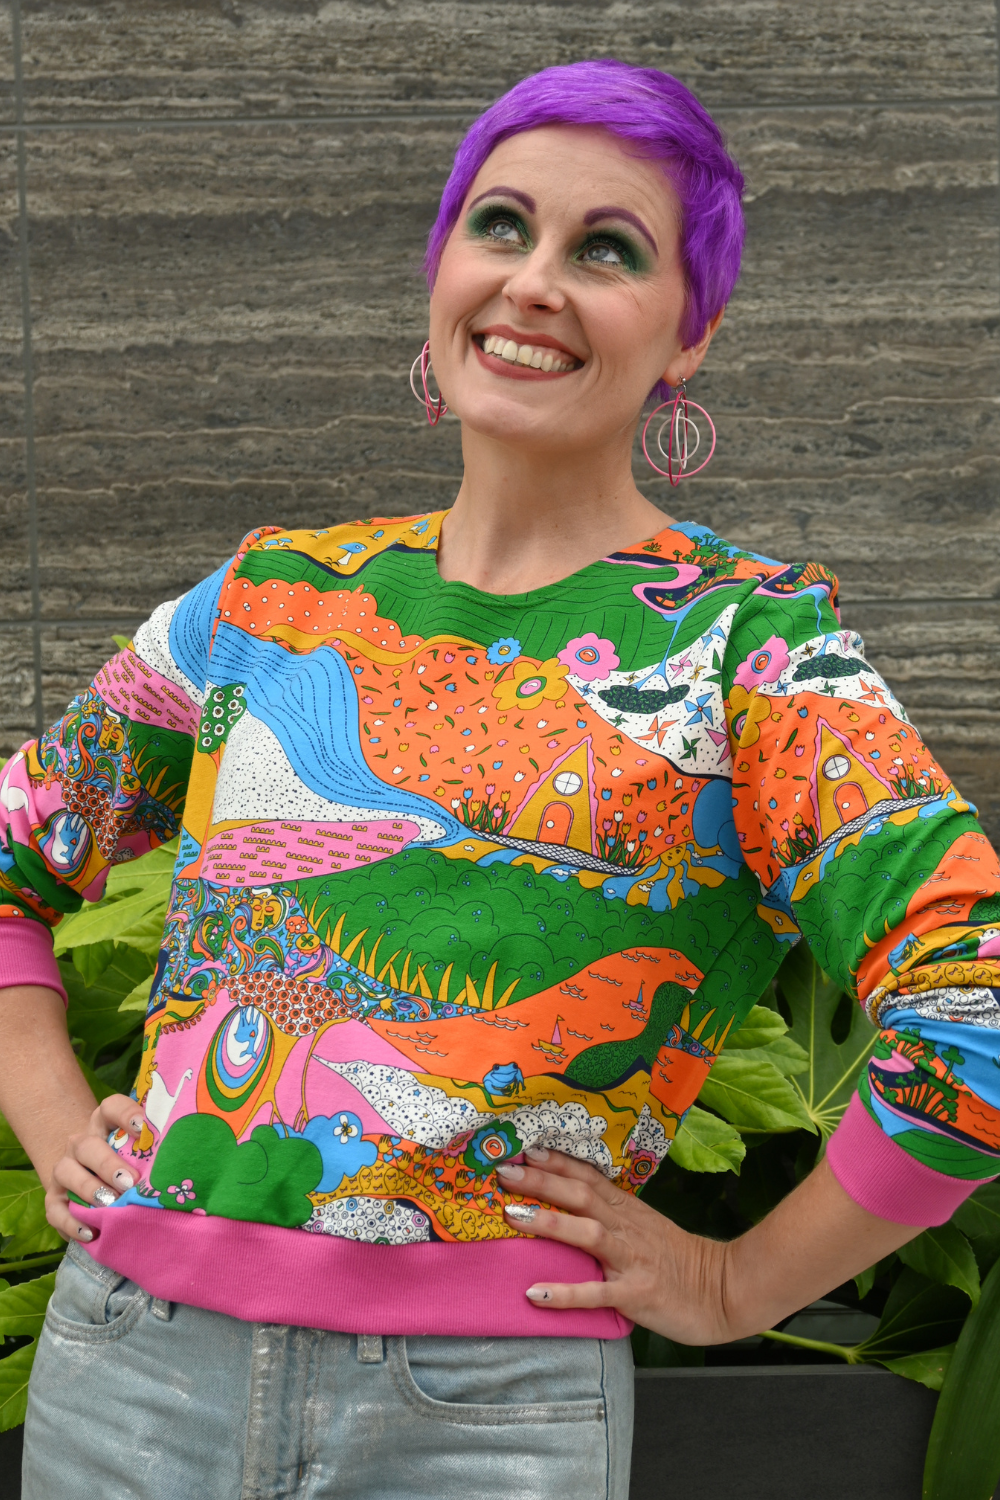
pixel 529 356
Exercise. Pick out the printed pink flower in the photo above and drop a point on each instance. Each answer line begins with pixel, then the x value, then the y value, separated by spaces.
pixel 766 664
pixel 589 657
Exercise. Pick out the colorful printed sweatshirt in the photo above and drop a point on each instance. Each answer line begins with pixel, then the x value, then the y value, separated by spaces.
pixel 461 874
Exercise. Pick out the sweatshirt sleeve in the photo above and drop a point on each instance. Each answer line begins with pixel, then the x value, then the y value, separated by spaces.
pixel 105 784
pixel 862 844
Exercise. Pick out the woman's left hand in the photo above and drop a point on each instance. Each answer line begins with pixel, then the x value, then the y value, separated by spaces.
pixel 654 1273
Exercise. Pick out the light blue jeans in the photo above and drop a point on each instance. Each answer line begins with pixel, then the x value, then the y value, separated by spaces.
pixel 135 1399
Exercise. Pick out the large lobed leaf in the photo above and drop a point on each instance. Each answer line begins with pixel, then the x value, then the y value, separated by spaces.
pixel 979 1220
pixel 22 1307
pixel 751 1093
pixel 705 1143
pixel 23 1224
pixel 963 1455
pixel 813 998
pixel 94 1013
pixel 944 1255
pixel 14 1373
pixel 130 913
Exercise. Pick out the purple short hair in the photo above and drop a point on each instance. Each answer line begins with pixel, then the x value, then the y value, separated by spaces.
pixel 664 122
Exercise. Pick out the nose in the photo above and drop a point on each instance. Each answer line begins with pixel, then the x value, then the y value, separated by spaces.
pixel 534 283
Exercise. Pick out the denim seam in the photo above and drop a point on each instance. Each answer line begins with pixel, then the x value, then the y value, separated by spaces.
pixel 607 1428
pixel 98 1333
pixel 467 1414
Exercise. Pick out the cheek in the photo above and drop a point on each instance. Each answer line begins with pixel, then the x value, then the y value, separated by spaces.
pixel 465 280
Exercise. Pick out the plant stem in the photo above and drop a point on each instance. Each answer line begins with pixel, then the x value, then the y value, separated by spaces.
pixel 27 1265
pixel 845 1352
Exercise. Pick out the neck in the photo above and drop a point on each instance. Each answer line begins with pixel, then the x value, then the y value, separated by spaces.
pixel 523 519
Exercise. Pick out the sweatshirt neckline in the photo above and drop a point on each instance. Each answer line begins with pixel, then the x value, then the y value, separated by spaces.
pixel 547 591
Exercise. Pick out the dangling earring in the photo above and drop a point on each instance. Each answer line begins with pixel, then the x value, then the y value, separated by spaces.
pixel 435 408
pixel 679 450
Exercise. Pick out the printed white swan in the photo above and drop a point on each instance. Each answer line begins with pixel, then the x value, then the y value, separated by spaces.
pixel 159 1102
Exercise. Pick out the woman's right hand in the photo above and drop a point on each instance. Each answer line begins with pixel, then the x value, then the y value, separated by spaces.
pixel 89 1164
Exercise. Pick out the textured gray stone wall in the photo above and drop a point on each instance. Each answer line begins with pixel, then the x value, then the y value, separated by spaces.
pixel 213 217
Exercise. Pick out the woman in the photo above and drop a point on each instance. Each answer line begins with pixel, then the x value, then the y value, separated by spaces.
pixel 495 823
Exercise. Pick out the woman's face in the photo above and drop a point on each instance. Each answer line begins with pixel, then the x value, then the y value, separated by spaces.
pixel 560 292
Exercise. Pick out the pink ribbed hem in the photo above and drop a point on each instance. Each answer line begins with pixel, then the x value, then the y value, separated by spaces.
pixel 26 955
pixel 885 1179
pixel 265 1274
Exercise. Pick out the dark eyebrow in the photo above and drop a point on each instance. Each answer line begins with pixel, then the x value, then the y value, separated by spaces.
pixel 507 192
pixel 620 213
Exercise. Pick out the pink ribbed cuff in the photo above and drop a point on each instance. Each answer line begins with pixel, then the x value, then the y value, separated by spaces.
pixel 885 1179
pixel 26 955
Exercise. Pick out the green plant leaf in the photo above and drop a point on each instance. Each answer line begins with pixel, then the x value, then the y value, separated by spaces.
pixel 705 1143
pixel 865 1281
pixel 784 1054
pixel 761 1027
pixel 812 998
pixel 91 961
pixel 929 1368
pixel 979 1220
pixel 963 1454
pixel 14 1372
pixel 136 921
pixel 22 1216
pixel 94 1013
pixel 752 1095
pixel 22 1307
pixel 11 1152
pixel 138 998
pixel 918 1315
pixel 131 911
pixel 943 1254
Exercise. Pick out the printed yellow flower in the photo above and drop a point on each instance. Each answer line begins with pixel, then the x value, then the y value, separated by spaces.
pixel 746 711
pixel 529 682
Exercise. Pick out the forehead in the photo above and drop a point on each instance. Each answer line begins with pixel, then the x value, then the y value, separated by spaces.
pixel 576 168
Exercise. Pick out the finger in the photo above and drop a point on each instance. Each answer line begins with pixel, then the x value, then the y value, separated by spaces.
pixel 561 1165
pixel 570 1193
pixel 58 1215
pixel 73 1177
pixel 94 1153
pixel 571 1294
pixel 118 1112
pixel 584 1234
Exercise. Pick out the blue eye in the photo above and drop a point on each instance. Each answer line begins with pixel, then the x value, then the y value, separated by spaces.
pixel 604 255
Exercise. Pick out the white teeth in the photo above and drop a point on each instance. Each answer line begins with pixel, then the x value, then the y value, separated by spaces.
pixel 524 354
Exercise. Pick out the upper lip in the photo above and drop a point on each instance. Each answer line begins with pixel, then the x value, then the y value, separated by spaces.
pixel 538 340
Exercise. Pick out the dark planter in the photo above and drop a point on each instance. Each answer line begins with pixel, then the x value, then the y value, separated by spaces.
pixel 779 1432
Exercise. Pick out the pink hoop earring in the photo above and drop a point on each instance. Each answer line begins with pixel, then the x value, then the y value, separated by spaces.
pixel 679 451
pixel 435 408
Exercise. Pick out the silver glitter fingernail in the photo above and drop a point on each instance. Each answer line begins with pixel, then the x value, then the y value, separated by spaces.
pixel 105 1196
pixel 522 1213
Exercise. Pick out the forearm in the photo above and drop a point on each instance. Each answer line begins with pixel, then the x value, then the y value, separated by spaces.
pixel 816 1239
pixel 43 1094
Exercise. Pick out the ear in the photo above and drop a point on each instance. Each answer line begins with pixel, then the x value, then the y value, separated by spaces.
pixel 686 362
